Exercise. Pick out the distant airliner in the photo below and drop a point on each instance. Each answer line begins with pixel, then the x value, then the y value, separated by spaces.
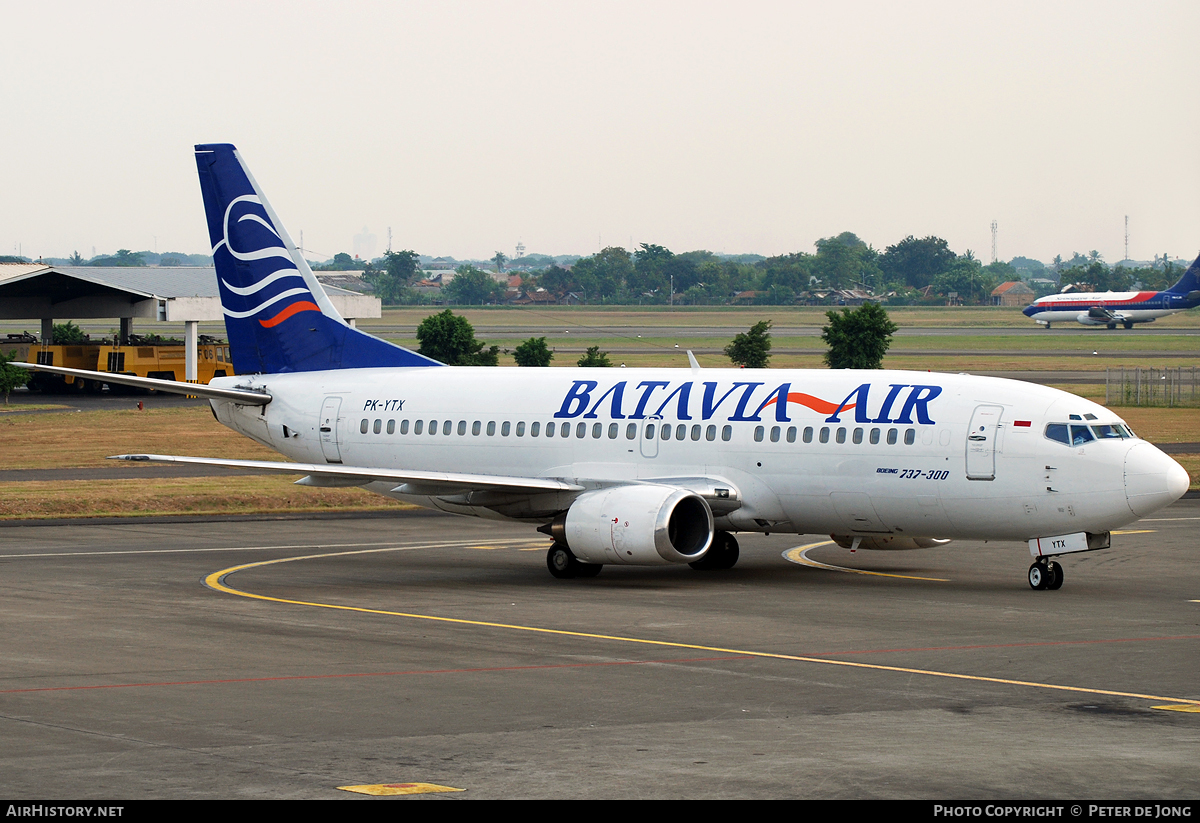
pixel 1108 308
pixel 653 466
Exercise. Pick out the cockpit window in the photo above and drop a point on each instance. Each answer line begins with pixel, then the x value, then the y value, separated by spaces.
pixel 1107 432
pixel 1080 435
pixel 1058 433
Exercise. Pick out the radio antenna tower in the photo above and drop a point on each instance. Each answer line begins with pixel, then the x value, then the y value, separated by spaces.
pixel 994 227
pixel 520 250
pixel 1127 237
pixel 389 238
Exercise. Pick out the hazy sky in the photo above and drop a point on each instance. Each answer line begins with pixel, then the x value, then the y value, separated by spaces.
pixel 735 127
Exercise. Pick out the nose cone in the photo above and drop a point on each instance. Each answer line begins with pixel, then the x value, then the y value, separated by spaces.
pixel 1152 479
pixel 1030 310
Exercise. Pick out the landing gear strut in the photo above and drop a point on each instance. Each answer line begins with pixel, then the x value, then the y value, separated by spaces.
pixel 723 554
pixel 1045 575
pixel 563 564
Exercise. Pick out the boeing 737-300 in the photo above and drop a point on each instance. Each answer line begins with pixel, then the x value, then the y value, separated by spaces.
pixel 653 466
pixel 1110 308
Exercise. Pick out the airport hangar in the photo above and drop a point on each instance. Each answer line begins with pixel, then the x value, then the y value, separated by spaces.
pixel 31 291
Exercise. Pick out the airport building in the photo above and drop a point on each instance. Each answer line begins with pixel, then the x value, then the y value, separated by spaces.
pixel 34 291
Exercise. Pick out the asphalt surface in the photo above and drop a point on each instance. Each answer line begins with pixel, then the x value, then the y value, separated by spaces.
pixel 424 648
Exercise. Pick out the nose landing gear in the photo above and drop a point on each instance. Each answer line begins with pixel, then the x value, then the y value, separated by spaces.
pixel 1045 574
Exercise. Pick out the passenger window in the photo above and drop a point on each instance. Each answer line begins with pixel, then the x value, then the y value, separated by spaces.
pixel 824 438
pixel 521 429
pixel 857 438
pixel 433 427
pixel 446 426
pixel 710 434
pixel 892 434
pixel 462 427
pixel 726 433
pixel 613 430
pixel 630 431
pixel 391 427
pixel 491 428
pixel 1080 435
pixel 598 429
pixel 910 436
pixel 362 427
pixel 649 431
pixel 505 428
pixel 758 434
pixel 774 434
pixel 581 430
pixel 418 426
pixel 664 431
pixel 874 437
pixel 808 432
pixel 841 434
pixel 680 431
pixel 696 432
pixel 791 435
pixel 550 429
pixel 535 429
pixel 404 427
pixel 378 427
pixel 475 428
pixel 565 431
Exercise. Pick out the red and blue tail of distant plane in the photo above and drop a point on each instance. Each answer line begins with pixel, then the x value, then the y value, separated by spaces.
pixel 277 316
pixel 1112 308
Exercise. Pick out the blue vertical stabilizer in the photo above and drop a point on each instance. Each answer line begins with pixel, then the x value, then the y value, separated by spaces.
pixel 278 317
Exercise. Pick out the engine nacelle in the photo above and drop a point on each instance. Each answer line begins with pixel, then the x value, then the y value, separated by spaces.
pixel 637 525
pixel 888 542
pixel 1087 318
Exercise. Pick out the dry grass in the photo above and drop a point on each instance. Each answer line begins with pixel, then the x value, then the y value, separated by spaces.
pixel 192 495
pixel 71 440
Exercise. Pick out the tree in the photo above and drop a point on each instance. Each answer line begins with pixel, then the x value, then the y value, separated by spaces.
pixel 858 338
pixel 391 282
pixel 124 258
pixel 500 259
pixel 450 339
pixel 916 262
pixel 68 334
pixel 533 352
pixel 594 358
pixel 11 377
pixel 472 287
pixel 750 350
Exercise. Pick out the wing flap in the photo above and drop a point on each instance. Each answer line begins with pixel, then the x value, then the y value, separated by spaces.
pixel 339 475
pixel 247 397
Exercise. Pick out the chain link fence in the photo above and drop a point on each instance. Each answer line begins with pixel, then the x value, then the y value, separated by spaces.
pixel 1126 386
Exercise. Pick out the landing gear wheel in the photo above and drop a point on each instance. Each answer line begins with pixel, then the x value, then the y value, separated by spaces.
pixel 1128 324
pixel 563 564
pixel 1056 576
pixel 587 569
pixel 1112 326
pixel 1039 576
pixel 722 554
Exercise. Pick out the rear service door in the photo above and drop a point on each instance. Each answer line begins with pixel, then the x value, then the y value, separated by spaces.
pixel 329 429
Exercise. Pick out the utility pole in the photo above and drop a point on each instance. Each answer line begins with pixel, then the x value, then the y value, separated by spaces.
pixel 1127 237
pixel 994 227
pixel 389 248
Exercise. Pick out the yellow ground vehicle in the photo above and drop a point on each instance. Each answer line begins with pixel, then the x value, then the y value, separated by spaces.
pixel 164 359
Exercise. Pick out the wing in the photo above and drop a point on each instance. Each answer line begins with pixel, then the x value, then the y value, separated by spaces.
pixel 406 481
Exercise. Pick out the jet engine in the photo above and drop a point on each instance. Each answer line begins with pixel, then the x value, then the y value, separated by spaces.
pixel 637 525
pixel 888 542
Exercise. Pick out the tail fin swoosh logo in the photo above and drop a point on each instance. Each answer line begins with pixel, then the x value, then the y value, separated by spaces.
pixel 249 237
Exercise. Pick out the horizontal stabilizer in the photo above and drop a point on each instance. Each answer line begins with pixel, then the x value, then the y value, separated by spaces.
pixel 247 397
pixel 336 474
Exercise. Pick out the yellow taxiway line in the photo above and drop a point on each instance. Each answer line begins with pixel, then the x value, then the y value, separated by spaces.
pixel 216 581
pixel 800 555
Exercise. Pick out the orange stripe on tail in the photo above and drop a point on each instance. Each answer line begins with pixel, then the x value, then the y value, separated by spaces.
pixel 295 308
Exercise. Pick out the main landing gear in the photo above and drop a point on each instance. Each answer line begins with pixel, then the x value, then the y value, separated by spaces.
pixel 1045 574
pixel 722 554
pixel 563 564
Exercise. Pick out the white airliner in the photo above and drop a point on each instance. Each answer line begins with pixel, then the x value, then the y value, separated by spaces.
pixel 1110 308
pixel 654 466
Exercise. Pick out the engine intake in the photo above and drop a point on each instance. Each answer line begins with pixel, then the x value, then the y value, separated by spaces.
pixel 637 525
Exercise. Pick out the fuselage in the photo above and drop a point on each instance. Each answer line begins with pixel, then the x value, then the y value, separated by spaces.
pixel 898 453
pixel 1108 308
